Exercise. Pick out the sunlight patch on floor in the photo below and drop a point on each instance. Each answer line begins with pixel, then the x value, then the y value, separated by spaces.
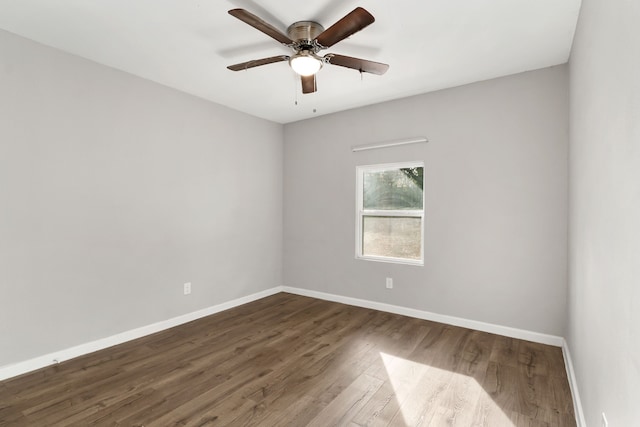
pixel 431 396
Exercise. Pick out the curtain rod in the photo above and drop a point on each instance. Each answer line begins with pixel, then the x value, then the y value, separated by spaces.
pixel 388 144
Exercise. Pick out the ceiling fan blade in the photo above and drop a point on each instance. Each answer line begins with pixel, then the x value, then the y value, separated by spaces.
pixel 351 23
pixel 362 65
pixel 257 62
pixel 309 84
pixel 261 25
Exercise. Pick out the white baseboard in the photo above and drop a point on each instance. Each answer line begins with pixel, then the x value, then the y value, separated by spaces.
pixel 426 315
pixel 20 368
pixel 573 385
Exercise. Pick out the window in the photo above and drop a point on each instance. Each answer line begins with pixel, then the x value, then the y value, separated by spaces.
pixel 390 207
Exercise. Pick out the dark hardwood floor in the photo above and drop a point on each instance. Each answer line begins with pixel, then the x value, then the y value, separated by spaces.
pixel 288 360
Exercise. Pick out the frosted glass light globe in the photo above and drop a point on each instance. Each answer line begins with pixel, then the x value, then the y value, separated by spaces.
pixel 304 64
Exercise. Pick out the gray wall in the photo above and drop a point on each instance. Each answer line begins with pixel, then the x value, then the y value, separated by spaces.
pixel 495 194
pixel 604 284
pixel 114 191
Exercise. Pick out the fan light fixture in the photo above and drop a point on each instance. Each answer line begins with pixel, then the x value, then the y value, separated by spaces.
pixel 306 39
pixel 305 63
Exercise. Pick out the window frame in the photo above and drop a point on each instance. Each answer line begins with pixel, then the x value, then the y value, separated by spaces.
pixel 361 212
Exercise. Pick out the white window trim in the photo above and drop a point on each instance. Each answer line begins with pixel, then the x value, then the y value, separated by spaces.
pixel 361 212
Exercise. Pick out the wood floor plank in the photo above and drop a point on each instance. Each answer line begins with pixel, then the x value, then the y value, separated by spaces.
pixel 347 404
pixel 488 413
pixel 293 360
pixel 418 406
pixel 476 355
pixel 380 409
pixel 505 351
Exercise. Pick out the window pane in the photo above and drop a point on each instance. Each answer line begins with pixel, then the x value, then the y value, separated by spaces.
pixel 393 189
pixel 397 237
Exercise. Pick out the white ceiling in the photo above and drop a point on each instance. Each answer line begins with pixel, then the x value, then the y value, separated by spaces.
pixel 187 44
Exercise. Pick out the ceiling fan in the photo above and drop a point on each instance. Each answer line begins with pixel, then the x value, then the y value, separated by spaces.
pixel 306 39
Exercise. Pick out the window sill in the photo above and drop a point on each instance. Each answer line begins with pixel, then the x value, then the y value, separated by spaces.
pixel 404 261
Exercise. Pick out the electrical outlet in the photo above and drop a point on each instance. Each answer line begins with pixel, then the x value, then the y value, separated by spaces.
pixel 389 283
pixel 187 288
pixel 605 423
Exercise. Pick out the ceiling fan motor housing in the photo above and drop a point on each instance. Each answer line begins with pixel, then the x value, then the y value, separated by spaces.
pixel 304 33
